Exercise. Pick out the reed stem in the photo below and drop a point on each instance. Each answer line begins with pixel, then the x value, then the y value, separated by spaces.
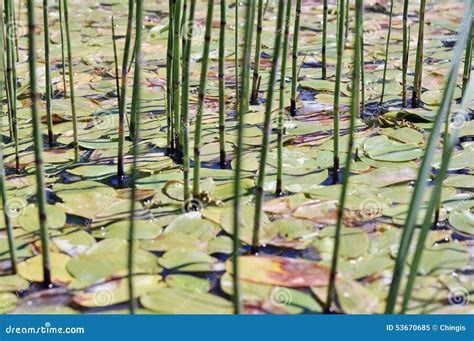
pixel 406 50
pixel 387 44
pixel 281 109
pixel 415 101
pixel 201 99
pixel 63 62
pixel 136 111
pixel 337 88
pixel 325 34
pixel 355 108
pixel 294 56
pixel 267 128
pixel 223 25
pixel 258 46
pixel 38 147
pixel 169 78
pixel 176 78
pixel 187 43
pixel 123 94
pixel 47 69
pixel 71 81
pixel 243 107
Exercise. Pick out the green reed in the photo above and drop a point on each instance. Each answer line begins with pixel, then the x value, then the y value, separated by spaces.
pixel 11 78
pixel 136 111
pixel 468 62
pixel 325 35
pixel 71 81
pixel 123 93
pixel 222 28
pixel 169 78
pixel 3 188
pixel 424 172
pixel 38 147
pixel 47 69
pixel 355 108
pixel 63 58
pixel 362 67
pixel 243 107
pixel 405 53
pixel 387 44
pixel 294 56
pixel 450 143
pixel 236 53
pixel 176 71
pixel 187 38
pixel 281 108
pixel 419 57
pixel 201 100
pixel 114 46
pixel 267 128
pixel 337 87
pixel 256 63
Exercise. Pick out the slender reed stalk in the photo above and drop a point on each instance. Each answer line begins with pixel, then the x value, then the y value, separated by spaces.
pixel 187 38
pixel 355 108
pixel 362 66
pixel 38 147
pixel 281 109
pixel 183 27
pixel 337 87
pixel 325 35
pixel 387 44
pixel 176 79
pixel 223 24
pixel 415 100
pixel 267 128
pixel 71 81
pixel 424 172
pixel 243 107
pixel 11 79
pixel 468 62
pixel 406 50
pixel 135 109
pixel 123 94
pixel 169 78
pixel 15 31
pixel 63 63
pixel 6 215
pixel 258 46
pixel 3 189
pixel 47 69
pixel 346 19
pixel 449 146
pixel 117 77
pixel 201 99
pixel 236 54
pixel 294 56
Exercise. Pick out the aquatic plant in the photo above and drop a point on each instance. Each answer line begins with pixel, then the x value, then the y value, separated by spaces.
pixel 201 99
pixel 294 57
pixel 71 81
pixel 424 171
pixel 136 111
pixel 243 106
pixel 41 200
pixel 355 108
pixel 267 128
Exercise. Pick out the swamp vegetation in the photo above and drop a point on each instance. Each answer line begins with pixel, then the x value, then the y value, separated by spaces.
pixel 220 157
